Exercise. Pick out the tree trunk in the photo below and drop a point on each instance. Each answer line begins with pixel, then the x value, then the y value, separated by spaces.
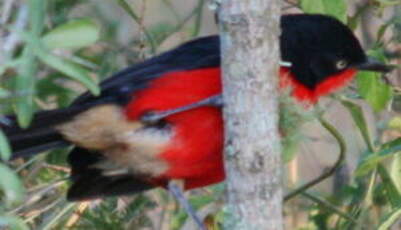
pixel 250 52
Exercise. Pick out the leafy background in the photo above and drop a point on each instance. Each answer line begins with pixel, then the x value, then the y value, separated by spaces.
pixel 51 51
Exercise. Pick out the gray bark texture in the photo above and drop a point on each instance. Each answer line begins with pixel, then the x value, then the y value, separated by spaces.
pixel 250 55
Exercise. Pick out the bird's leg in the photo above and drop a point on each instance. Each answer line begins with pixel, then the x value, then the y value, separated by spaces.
pixel 176 189
pixel 153 117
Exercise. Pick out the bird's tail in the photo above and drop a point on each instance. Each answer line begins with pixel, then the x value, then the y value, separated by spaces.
pixel 41 135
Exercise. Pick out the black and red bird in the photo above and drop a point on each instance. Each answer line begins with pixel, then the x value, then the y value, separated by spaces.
pixel 118 152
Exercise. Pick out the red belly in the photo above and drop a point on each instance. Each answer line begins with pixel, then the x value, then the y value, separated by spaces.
pixel 195 152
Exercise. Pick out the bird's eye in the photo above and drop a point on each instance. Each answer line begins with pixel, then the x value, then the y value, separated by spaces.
pixel 341 64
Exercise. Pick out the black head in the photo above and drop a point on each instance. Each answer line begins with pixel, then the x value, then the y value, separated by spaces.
pixel 320 46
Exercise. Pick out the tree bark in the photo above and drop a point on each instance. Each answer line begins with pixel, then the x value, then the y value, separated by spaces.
pixel 250 57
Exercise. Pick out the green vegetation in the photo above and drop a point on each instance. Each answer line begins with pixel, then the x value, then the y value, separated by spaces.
pixel 51 51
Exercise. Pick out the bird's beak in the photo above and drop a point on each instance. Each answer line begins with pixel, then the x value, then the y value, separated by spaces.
pixel 372 64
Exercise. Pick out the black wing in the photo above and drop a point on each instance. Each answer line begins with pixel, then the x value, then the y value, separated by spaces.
pixel 200 53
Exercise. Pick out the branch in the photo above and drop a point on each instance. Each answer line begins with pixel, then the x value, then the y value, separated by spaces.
pixel 329 206
pixel 341 143
pixel 135 17
pixel 250 56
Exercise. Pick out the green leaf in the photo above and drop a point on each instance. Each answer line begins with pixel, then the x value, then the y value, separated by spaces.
pixel 313 6
pixel 50 86
pixel 73 34
pixel 70 69
pixel 373 90
pixel 13 223
pixel 25 87
pixel 359 119
pixel 5 150
pixel 395 123
pixel 396 170
pixel 387 150
pixel 392 193
pixel 335 8
pixel 382 30
pixel 25 81
pixel 390 219
pixel 11 185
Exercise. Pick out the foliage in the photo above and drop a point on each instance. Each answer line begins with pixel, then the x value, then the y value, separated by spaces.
pixel 51 51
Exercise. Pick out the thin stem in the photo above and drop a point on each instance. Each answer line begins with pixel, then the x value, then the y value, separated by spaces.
pixel 179 26
pixel 198 19
pixel 170 6
pixel 57 216
pixel 137 19
pixel 329 206
pixel 6 9
pixel 341 143
pixel 367 201
pixel 179 196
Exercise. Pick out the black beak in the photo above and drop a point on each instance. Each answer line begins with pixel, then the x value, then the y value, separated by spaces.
pixel 373 65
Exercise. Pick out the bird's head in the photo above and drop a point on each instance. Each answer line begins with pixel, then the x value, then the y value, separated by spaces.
pixel 320 47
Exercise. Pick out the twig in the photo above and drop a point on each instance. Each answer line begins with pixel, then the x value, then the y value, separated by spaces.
pixel 179 26
pixel 57 216
pixel 37 195
pixel 37 212
pixel 290 5
pixel 198 19
pixel 172 9
pixel 137 19
pixel 332 170
pixel 12 40
pixel 176 191
pixel 328 205
pixel 77 214
pixel 57 168
pixel 7 6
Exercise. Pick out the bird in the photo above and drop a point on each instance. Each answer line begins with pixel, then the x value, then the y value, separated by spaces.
pixel 161 120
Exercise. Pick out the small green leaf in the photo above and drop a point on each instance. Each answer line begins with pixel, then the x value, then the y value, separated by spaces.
pixel 73 34
pixel 369 163
pixel 70 69
pixel 25 87
pixel 373 90
pixel 390 188
pixel 313 6
pixel 396 171
pixel 11 185
pixel 359 119
pixel 5 150
pixel 395 123
pixel 390 219
pixel 382 30
pixel 335 8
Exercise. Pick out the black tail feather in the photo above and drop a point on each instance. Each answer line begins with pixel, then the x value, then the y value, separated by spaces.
pixel 93 184
pixel 90 183
pixel 40 135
